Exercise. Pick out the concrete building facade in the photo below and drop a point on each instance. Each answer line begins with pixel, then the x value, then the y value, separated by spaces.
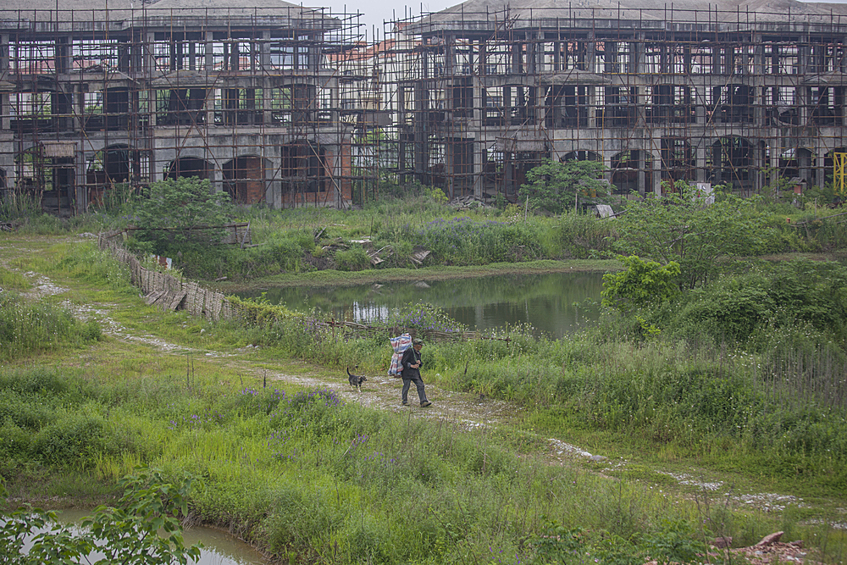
pixel 738 93
pixel 101 96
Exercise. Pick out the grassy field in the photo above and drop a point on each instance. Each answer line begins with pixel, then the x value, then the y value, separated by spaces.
pixel 287 458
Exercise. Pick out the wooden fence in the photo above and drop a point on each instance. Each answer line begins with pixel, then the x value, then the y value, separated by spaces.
pixel 167 291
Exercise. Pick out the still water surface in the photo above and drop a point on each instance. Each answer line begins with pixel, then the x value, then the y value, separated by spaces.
pixel 553 303
pixel 219 547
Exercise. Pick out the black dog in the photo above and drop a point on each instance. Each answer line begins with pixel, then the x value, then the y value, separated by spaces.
pixel 355 380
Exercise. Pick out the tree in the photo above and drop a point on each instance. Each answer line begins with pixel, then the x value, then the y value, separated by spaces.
pixel 682 227
pixel 556 187
pixel 173 209
pixel 141 531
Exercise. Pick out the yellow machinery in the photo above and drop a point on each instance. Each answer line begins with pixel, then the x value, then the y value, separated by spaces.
pixel 839 176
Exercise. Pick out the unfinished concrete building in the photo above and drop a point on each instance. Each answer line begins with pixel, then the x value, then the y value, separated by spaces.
pixel 726 92
pixel 101 97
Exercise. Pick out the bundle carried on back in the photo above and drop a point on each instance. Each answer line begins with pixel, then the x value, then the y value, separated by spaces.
pixel 399 344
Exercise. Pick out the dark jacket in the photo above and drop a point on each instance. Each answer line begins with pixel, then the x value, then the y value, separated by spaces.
pixel 411 357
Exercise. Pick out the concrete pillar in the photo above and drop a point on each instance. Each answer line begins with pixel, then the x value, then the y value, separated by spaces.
pixel 517 53
pixel 449 60
pixel 64 61
pixel 804 164
pixel 639 156
pixel 478 172
pixel 215 177
pixel 772 161
pixel 77 100
pixel 592 106
pixel 640 90
pixel 590 53
pixel 759 105
pixel 760 160
pixel 803 56
pixel 4 52
pixel 803 93
pixel 149 67
pixel 5 110
pixel 449 168
pixel 716 163
pixel 699 104
pixel 700 163
pixel 5 116
pixel 539 54
pixel 208 51
pixel 209 62
pixel 656 167
pixel 265 66
pixel 820 170
pixel 315 53
pixel 557 56
pixel 80 182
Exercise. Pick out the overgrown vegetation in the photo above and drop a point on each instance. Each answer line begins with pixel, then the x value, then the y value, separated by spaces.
pixel 724 362
pixel 311 478
pixel 683 228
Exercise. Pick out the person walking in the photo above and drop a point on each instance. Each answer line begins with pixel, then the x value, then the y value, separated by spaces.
pixel 411 363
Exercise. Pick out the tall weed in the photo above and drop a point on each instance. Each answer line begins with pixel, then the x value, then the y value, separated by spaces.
pixel 583 235
pixel 27 328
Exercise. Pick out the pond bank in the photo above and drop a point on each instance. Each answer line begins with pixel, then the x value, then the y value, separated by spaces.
pixel 441 272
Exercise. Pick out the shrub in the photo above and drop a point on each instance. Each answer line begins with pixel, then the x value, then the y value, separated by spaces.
pixel 72 440
pixel 29 413
pixel 14 440
pixel 640 284
pixel 199 260
pixel 772 296
pixel 353 259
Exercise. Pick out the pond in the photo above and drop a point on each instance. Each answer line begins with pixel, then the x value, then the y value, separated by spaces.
pixel 552 303
pixel 219 548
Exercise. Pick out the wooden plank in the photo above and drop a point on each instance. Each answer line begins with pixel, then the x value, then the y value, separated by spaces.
pixel 176 300
pixel 151 298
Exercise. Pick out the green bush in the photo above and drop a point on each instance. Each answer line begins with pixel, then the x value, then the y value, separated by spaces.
pixel 353 259
pixel 682 228
pixel 29 413
pixel 73 440
pixel 768 297
pixel 14 441
pixel 640 284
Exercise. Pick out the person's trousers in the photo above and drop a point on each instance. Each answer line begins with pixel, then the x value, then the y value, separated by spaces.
pixel 418 383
